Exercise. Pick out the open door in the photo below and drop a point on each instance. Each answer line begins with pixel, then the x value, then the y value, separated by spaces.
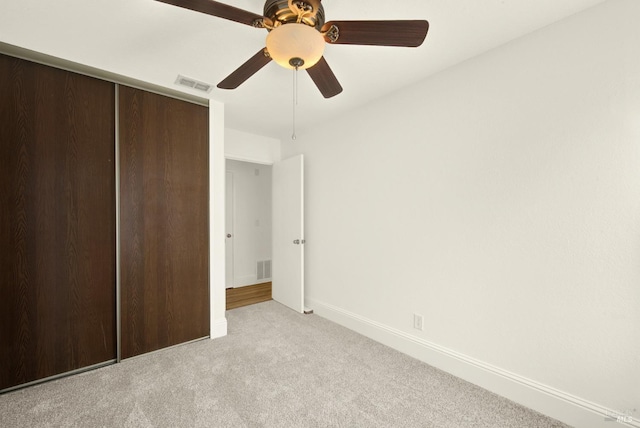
pixel 288 233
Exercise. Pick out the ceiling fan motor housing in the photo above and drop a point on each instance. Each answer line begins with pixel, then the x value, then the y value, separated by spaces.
pixel 278 11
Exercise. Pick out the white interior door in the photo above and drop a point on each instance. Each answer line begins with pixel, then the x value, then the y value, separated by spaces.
pixel 288 233
pixel 228 218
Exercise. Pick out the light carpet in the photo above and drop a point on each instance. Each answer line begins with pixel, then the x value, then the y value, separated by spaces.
pixel 276 368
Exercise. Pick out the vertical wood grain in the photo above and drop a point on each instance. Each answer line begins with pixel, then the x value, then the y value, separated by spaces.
pixel 164 221
pixel 57 221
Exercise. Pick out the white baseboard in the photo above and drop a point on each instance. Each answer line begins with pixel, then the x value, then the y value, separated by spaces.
pixel 552 402
pixel 218 328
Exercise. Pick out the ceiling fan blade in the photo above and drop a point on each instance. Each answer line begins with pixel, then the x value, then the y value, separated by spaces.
pixel 246 70
pixel 218 9
pixel 324 79
pixel 377 33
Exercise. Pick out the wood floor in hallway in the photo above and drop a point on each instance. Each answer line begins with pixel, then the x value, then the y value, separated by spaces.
pixel 249 295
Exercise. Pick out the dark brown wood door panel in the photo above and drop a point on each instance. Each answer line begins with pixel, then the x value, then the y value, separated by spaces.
pixel 164 212
pixel 57 222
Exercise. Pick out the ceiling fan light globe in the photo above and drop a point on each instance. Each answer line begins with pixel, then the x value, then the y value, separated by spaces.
pixel 293 41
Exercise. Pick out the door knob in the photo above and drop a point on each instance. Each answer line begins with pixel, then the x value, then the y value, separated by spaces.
pixel 228 235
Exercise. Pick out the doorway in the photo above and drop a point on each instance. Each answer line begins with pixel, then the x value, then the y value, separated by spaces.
pixel 249 223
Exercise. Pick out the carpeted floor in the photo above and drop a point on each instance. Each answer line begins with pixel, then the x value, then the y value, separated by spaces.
pixel 276 368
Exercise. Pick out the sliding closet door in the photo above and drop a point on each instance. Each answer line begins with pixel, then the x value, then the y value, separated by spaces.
pixel 164 201
pixel 57 222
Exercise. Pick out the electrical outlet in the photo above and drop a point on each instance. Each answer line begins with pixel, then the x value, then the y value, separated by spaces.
pixel 418 322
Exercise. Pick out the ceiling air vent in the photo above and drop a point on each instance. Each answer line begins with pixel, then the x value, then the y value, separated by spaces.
pixel 193 83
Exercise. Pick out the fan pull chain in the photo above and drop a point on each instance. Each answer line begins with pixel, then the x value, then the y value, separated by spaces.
pixel 295 101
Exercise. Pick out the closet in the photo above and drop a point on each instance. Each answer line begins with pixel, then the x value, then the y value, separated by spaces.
pixel 63 240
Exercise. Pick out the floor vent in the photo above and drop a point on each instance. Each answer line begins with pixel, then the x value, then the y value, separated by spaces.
pixel 264 269
pixel 193 83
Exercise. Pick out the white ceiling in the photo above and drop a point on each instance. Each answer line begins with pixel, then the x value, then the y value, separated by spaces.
pixel 154 42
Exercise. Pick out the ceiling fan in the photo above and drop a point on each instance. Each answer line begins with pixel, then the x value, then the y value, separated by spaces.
pixel 298 33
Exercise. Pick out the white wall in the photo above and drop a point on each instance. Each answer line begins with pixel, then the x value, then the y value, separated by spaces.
pixel 243 146
pixel 501 200
pixel 252 225
pixel 217 296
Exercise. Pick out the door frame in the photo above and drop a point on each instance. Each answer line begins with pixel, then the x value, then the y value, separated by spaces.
pixel 239 159
pixel 218 156
pixel 229 244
